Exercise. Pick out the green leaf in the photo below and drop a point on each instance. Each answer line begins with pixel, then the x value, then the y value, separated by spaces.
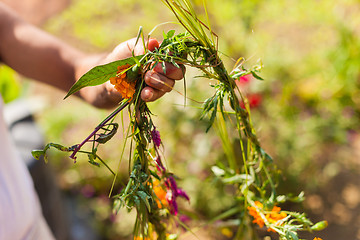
pixel 144 197
pixel 37 154
pixel 92 158
pixel 213 114
pixel 319 226
pixel 104 137
pixel 291 235
pixel 100 74
pixel 238 178
pixel 239 74
pixel 218 171
pixel 170 34
pixel 256 76
pixel 57 146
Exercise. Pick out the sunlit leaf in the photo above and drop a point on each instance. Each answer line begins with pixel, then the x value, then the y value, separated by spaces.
pixel 37 154
pixel 319 226
pixel 100 74
pixel 104 137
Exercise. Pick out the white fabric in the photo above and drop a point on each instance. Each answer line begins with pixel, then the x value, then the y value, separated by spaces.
pixel 20 212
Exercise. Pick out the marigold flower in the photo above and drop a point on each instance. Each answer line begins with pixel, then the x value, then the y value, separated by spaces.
pixel 316 238
pixel 121 84
pixel 141 238
pixel 160 194
pixel 254 212
pixel 273 217
pixel 173 191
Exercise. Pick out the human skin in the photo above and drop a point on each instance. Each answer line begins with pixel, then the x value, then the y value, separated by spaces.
pixel 45 58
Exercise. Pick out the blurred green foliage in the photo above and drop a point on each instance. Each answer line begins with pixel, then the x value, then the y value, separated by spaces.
pixel 308 119
pixel 9 85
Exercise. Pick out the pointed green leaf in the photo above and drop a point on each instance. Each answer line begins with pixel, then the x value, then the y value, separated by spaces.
pixel 100 74
pixel 143 195
pixel 104 137
pixel 38 153
pixel 57 146
pixel 256 76
pixel 170 34
pixel 319 226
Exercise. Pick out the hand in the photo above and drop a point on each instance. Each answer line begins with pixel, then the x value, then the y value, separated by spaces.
pixel 157 82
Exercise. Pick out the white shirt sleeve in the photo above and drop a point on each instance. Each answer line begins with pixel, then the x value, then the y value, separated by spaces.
pixel 20 212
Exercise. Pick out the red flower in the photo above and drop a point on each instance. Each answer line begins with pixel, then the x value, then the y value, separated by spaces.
pixel 254 99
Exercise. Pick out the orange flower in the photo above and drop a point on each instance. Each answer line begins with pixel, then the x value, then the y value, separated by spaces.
pixel 160 194
pixel 140 238
pixel 317 238
pixel 274 216
pixel 125 88
pixel 254 212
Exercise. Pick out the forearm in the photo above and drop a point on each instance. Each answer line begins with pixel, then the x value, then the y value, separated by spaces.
pixel 40 56
pixel 36 54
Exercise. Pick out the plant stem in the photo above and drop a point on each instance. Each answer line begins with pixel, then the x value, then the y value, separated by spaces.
pixel 98 127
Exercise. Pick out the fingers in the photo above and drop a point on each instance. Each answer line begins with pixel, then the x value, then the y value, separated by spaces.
pixel 158 83
pixel 171 71
pixel 149 94
pixel 157 80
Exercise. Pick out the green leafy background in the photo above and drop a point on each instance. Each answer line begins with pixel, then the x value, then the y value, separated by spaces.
pixel 308 119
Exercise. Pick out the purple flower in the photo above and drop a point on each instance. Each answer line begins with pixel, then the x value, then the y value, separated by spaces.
pixel 173 193
pixel 181 193
pixel 159 164
pixel 171 199
pixel 173 184
pixel 155 135
pixel 184 218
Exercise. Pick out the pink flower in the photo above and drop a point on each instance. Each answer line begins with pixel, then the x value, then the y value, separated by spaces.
pixel 243 80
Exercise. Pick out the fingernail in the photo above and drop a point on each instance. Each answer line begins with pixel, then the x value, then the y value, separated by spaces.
pixel 148 94
pixel 155 80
